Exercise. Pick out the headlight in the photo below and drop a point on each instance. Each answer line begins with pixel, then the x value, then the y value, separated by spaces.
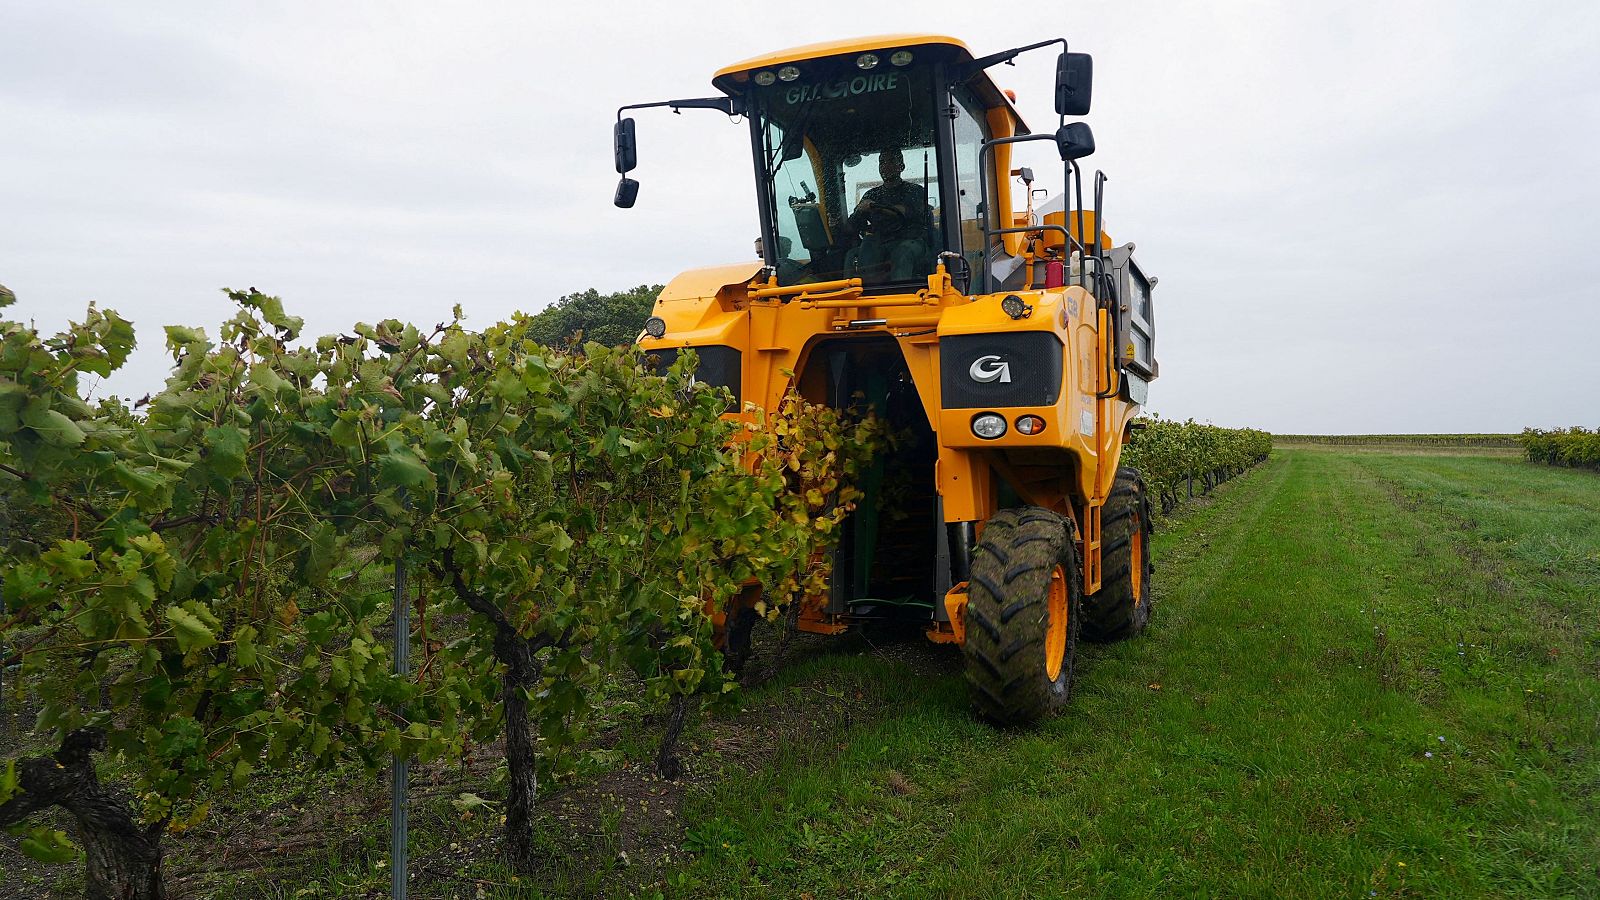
pixel 1014 307
pixel 866 60
pixel 655 326
pixel 901 58
pixel 788 73
pixel 765 78
pixel 988 425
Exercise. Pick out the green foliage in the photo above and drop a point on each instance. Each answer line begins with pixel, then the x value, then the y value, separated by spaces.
pixel 1577 447
pixel 1170 454
pixel 810 455
pixel 202 565
pixel 600 511
pixel 609 319
pixel 170 587
pixel 47 845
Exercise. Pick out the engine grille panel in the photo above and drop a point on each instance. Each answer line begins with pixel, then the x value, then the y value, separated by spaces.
pixel 988 371
pixel 719 366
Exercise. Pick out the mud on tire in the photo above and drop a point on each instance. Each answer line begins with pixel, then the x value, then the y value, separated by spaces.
pixel 1022 616
pixel 1121 608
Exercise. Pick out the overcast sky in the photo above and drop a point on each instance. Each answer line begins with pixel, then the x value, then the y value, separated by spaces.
pixel 1366 217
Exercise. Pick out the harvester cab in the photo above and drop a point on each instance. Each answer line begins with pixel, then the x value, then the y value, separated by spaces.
pixel 1009 349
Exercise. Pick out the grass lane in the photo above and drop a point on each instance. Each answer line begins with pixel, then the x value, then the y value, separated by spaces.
pixel 1367 673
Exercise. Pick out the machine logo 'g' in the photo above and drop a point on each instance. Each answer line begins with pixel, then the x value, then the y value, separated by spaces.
pixel 987 369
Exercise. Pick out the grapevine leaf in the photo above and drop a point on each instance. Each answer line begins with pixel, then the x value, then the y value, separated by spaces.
pixel 52 426
pixel 317 560
pixel 10 783
pixel 47 845
pixel 70 558
pixel 138 479
pixel 187 629
pixel 182 336
pixel 272 310
pixel 227 449
pixel 402 468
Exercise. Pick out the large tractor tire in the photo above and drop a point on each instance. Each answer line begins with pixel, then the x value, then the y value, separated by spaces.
pixel 739 639
pixel 1022 616
pixel 1121 608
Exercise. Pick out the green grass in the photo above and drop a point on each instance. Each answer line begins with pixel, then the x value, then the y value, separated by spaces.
pixel 1368 673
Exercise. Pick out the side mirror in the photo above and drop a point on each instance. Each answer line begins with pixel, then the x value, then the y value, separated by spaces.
pixel 623 145
pixel 1074 83
pixel 627 192
pixel 1074 140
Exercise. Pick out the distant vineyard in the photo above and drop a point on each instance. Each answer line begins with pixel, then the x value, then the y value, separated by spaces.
pixel 1408 440
pixel 1174 456
pixel 1577 447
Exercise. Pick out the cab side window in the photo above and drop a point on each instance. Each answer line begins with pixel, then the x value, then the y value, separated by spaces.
pixel 971 130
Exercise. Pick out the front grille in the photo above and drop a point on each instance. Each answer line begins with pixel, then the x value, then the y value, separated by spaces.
pixel 719 366
pixel 1031 359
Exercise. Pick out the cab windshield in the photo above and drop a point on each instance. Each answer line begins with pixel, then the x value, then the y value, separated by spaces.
pixel 852 173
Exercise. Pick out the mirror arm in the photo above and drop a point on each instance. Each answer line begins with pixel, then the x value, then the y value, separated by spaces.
pixel 731 106
pixel 627 188
pixel 1020 138
pixel 1004 56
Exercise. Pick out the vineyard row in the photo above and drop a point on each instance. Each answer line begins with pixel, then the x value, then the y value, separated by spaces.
pixel 1577 447
pixel 1403 440
pixel 1173 456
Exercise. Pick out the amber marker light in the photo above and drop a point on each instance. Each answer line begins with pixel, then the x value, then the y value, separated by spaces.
pixel 1030 425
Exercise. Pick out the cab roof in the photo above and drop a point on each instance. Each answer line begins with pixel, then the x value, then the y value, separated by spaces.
pixel 731 79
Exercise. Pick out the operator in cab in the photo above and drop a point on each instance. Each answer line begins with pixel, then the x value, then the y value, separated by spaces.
pixel 895 225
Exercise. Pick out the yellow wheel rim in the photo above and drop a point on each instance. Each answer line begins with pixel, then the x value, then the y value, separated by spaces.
pixel 1136 561
pixel 1055 629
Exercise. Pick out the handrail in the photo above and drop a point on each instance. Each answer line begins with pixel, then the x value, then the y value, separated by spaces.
pixel 1070 241
pixel 816 290
pixel 832 301
pixel 983 198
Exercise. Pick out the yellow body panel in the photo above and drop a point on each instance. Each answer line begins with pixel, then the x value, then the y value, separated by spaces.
pixel 836 48
pixel 1079 225
pixel 705 283
pixel 731 76
pixel 1069 466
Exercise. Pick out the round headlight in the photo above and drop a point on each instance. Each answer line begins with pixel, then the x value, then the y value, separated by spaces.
pixel 1013 306
pixel 788 73
pixel 1029 425
pixel 988 425
pixel 866 60
pixel 655 326
pixel 765 78
pixel 901 58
